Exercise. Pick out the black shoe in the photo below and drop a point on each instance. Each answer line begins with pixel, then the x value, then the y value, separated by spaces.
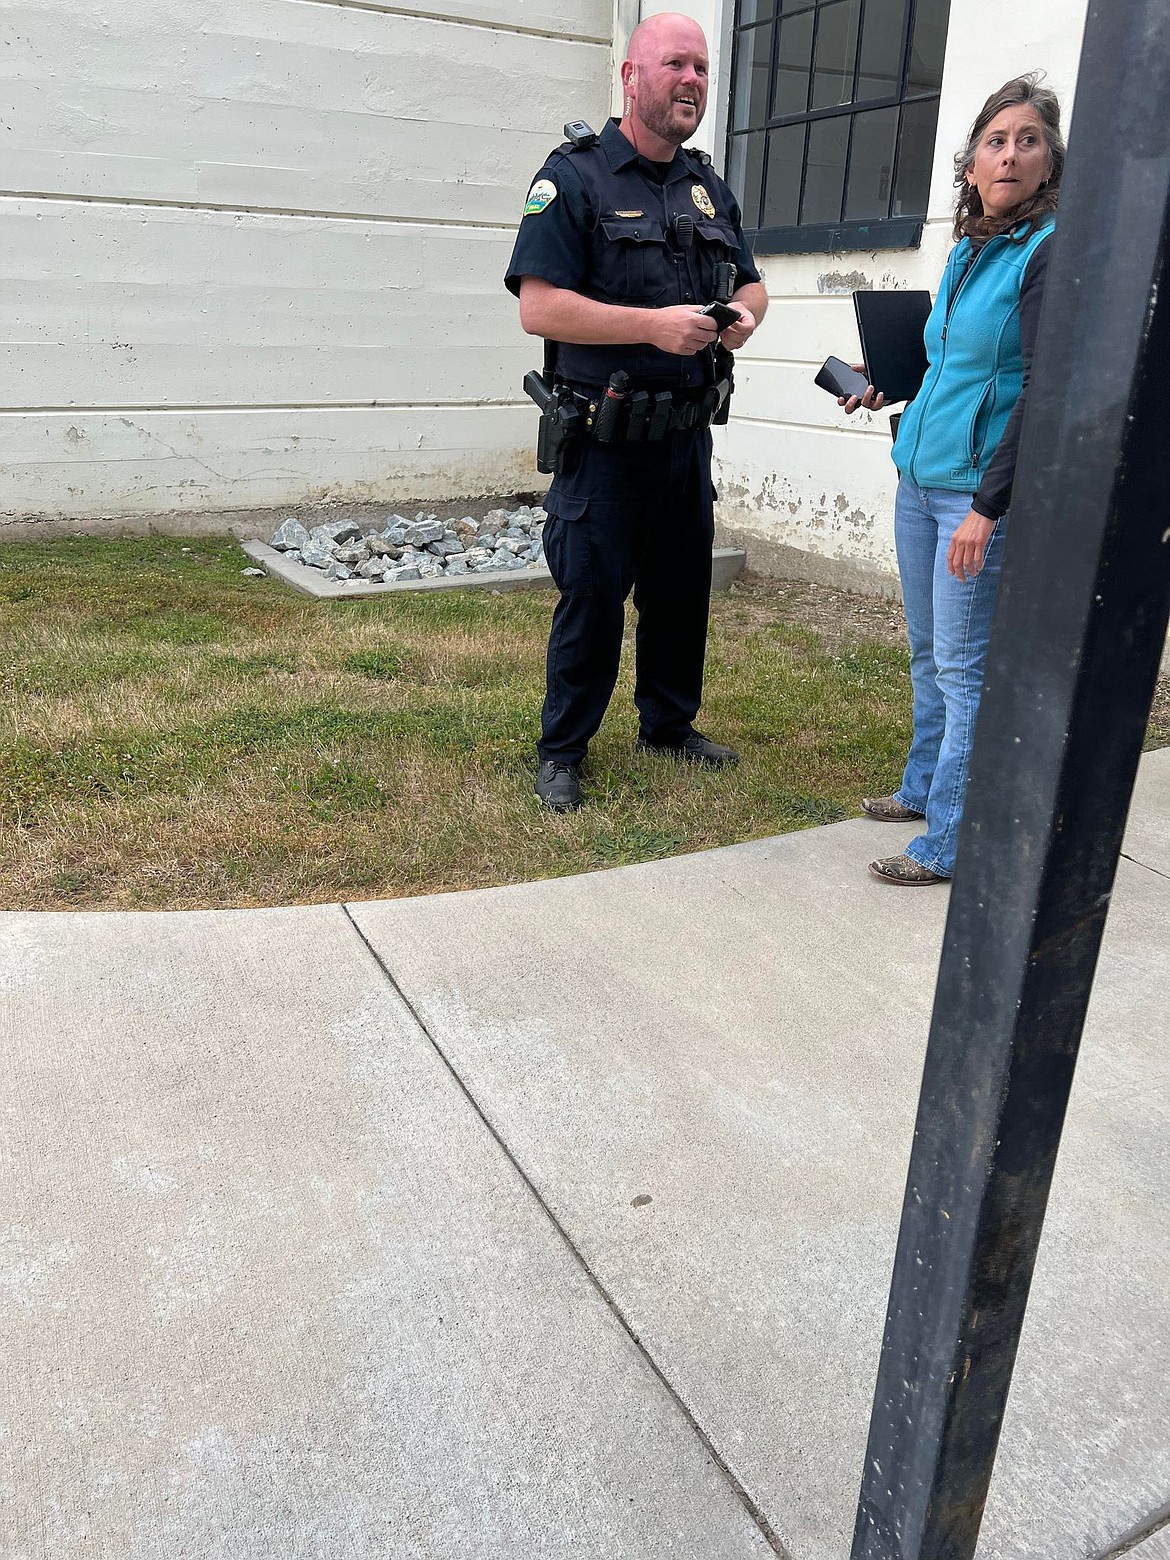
pixel 559 785
pixel 694 748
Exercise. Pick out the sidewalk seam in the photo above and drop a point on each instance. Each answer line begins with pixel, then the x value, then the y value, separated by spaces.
pixel 737 1487
pixel 1133 860
pixel 1155 1523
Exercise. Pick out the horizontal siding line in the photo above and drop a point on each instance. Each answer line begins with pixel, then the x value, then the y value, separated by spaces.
pixel 119 410
pixel 777 362
pixel 178 408
pixel 807 427
pixel 135 203
pixel 453 21
pixel 811 297
pixel 819 297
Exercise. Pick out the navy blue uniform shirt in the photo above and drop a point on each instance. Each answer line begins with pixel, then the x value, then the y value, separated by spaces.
pixel 607 223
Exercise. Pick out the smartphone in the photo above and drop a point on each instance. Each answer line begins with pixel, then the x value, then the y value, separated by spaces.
pixel 722 313
pixel 839 379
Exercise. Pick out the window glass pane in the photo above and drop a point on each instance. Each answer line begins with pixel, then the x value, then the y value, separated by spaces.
pixel 915 158
pixel 753 61
pixel 871 165
pixel 792 65
pixel 880 75
pixel 928 47
pixel 840 165
pixel 836 49
pixel 785 158
pixel 824 176
pixel 745 172
pixel 749 11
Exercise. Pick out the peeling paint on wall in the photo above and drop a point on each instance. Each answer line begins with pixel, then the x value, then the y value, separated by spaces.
pixel 780 509
pixel 843 283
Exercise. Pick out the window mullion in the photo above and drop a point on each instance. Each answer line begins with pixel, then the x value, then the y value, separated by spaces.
pixel 848 165
pixel 803 172
pixel 812 61
pixel 857 53
pixel 907 47
pixel 840 110
pixel 773 62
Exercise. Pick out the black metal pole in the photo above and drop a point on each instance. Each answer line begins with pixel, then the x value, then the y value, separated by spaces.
pixel 1080 623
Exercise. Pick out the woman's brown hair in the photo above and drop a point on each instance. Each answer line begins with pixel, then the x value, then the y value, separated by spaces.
pixel 970 218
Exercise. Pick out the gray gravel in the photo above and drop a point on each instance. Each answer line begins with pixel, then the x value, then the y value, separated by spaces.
pixel 504 541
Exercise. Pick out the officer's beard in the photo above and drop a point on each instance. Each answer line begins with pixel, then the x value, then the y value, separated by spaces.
pixel 660 120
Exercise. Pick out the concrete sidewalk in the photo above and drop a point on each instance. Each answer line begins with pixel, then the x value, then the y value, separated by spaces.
pixel 553 1220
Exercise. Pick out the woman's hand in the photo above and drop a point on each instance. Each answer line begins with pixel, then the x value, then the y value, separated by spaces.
pixel 872 401
pixel 968 545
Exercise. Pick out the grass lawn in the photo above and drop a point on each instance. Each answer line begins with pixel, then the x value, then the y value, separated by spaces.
pixel 174 735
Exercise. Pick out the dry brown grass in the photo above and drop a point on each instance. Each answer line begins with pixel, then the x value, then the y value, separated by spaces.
pixel 173 735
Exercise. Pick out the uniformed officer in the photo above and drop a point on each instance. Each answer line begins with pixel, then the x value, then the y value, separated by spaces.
pixel 618 251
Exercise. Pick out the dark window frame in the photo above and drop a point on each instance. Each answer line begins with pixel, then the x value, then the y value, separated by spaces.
pixel 903 231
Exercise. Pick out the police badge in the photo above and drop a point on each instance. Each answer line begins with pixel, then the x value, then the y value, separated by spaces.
pixel 702 200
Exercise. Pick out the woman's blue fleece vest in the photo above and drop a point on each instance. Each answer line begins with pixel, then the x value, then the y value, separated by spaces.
pixel 948 433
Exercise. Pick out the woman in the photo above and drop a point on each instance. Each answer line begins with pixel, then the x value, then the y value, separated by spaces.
pixel 955 451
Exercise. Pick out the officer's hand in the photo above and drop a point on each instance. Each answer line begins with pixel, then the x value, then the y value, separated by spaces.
pixel 735 335
pixel 681 329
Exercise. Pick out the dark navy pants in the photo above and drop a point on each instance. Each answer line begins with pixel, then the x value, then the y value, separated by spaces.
pixel 628 517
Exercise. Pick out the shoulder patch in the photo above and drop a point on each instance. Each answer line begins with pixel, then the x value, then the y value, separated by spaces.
pixel 542 194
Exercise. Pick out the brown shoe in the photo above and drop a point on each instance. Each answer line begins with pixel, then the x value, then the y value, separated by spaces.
pixel 904 871
pixel 887 809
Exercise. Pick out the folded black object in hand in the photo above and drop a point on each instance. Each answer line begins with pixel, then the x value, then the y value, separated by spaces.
pixel 839 379
pixel 722 313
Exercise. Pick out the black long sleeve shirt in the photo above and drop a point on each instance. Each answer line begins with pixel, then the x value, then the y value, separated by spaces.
pixel 995 491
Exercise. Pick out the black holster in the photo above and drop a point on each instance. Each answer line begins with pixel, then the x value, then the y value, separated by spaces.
pixel 724 383
pixel 561 424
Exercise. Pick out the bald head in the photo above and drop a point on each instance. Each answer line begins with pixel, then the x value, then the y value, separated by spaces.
pixel 664 77
pixel 669 28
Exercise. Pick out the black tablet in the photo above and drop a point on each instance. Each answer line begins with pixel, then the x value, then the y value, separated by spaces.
pixel 890 325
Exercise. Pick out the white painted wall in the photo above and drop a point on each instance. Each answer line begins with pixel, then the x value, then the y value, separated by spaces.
pixel 792 471
pixel 253 249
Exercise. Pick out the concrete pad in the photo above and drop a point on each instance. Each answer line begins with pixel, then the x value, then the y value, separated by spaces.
pixel 709 1066
pixel 1147 834
pixel 268 1287
pixel 727 563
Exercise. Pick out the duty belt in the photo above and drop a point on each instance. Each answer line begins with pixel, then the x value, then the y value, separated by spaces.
pixel 646 416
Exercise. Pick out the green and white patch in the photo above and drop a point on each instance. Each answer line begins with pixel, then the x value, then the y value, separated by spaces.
pixel 542 194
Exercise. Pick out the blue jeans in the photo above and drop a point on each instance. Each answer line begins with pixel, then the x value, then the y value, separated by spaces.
pixel 948 624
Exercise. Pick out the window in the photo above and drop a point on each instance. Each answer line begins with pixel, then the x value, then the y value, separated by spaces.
pixel 833 114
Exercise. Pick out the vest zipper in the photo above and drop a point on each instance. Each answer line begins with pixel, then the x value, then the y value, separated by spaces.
pixel 951 301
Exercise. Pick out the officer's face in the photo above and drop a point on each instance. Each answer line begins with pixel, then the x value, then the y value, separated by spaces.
pixel 669 84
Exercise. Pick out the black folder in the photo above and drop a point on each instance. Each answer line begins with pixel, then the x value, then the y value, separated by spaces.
pixel 890 325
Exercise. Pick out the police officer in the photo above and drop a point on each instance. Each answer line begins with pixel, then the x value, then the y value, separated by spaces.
pixel 625 237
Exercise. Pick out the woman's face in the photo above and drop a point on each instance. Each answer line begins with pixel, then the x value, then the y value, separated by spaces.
pixel 1011 161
